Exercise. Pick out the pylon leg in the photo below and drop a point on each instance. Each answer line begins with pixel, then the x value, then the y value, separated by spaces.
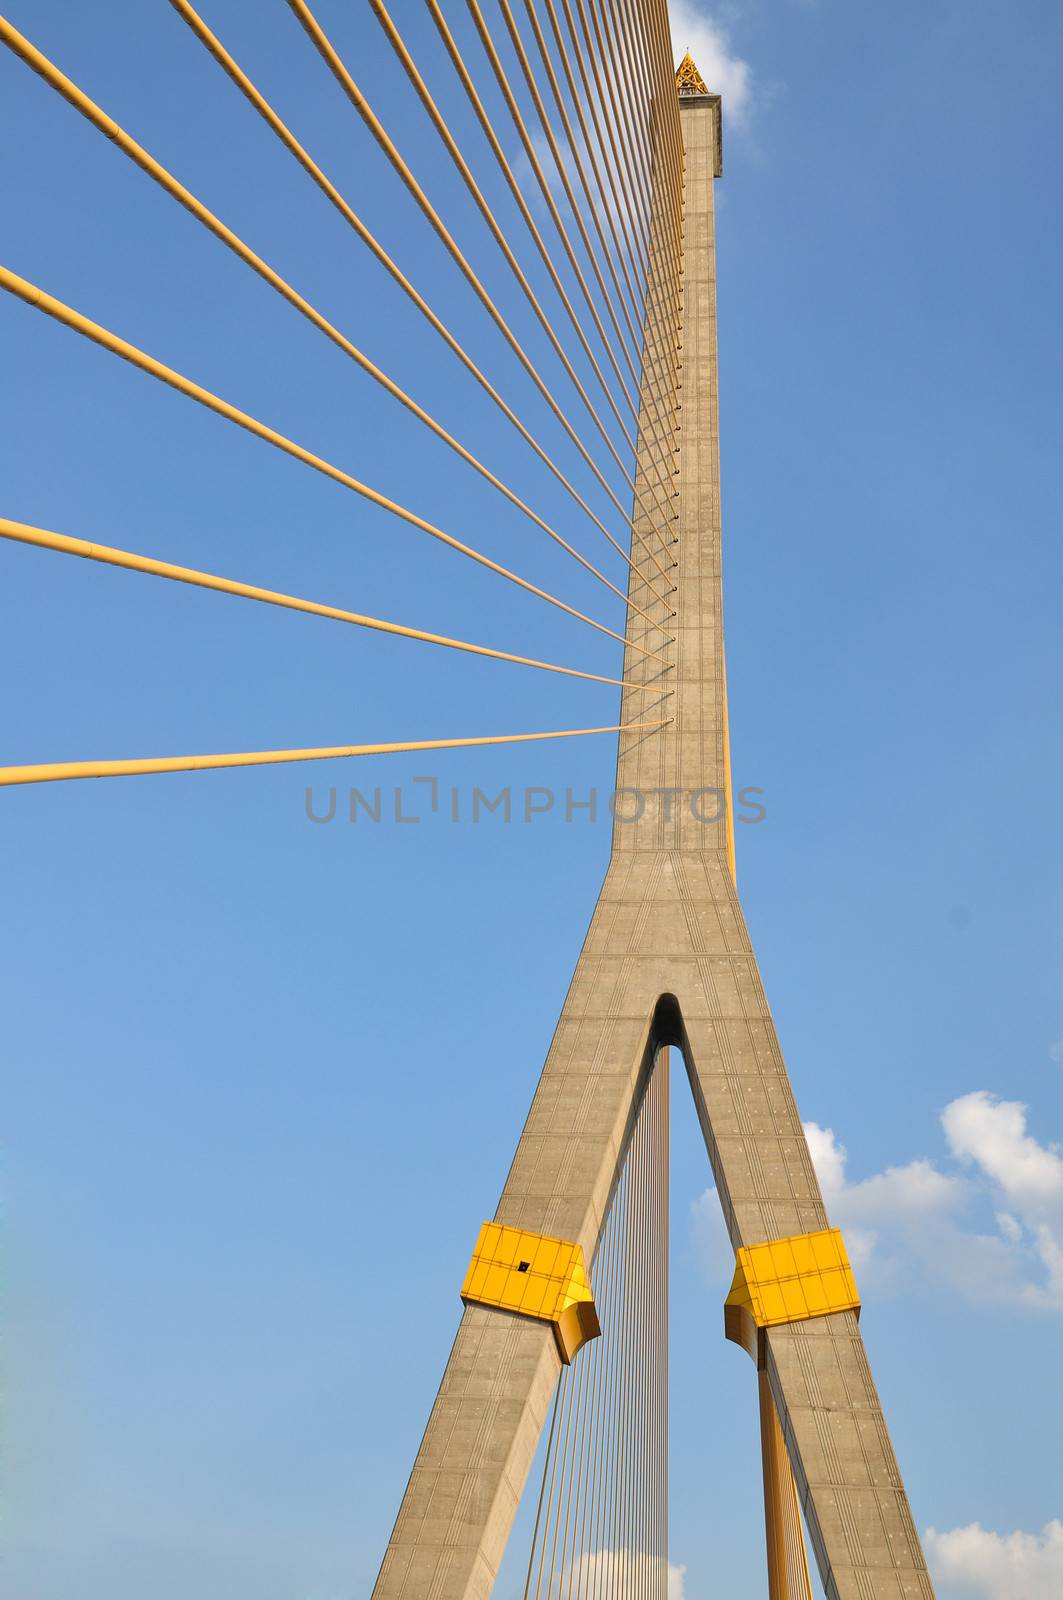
pixel 671 917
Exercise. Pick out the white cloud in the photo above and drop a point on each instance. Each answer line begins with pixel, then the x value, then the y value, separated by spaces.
pixel 880 1215
pixel 828 1157
pixel 696 30
pixel 999 1566
pixel 907 1221
pixel 992 1134
pixel 912 1225
pixel 1055 1050
pixel 609 1569
pixel 899 1207
pixel 1010 1227
pixel 918 1224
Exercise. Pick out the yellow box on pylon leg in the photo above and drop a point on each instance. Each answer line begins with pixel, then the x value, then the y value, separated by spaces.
pixel 788 1280
pixel 534 1275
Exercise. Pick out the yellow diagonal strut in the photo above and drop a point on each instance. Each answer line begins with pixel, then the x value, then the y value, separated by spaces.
pixel 534 1276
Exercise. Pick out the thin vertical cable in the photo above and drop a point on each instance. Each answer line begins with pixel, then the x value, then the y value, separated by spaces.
pixel 601 1528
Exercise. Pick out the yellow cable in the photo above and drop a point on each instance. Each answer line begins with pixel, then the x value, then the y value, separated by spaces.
pixel 657 54
pixel 335 65
pixel 559 162
pixel 595 53
pixel 42 301
pixel 66 544
pixel 618 48
pixel 398 44
pixel 156 171
pixel 53 771
pixel 497 67
pixel 650 397
pixel 621 163
pixel 260 104
pixel 556 28
pixel 605 139
pixel 505 166
pixel 627 210
pixel 614 258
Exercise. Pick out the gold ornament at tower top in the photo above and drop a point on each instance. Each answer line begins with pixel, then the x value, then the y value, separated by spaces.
pixel 688 79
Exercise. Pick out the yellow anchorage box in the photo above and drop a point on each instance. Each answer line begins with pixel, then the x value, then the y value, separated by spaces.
pixel 788 1280
pixel 534 1276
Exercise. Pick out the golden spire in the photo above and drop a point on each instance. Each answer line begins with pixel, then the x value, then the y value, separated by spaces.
pixel 688 79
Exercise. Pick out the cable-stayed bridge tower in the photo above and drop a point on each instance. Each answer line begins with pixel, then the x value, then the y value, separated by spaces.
pixel 564 1332
pixel 667 964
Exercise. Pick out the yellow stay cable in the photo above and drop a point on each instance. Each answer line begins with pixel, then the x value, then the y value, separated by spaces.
pixel 664 360
pixel 615 257
pixel 42 301
pixel 596 54
pixel 546 124
pixel 398 44
pixel 561 166
pixel 487 127
pixel 155 170
pixel 620 135
pixel 66 544
pixel 614 214
pixel 55 771
pixel 495 60
pixel 424 95
pixel 361 105
pixel 506 168
pixel 657 404
pixel 343 77
pixel 556 28
pixel 618 52
pixel 630 213
pixel 645 48
pixel 260 104
pixel 660 84
pixel 618 164
pixel 666 164
pixel 662 163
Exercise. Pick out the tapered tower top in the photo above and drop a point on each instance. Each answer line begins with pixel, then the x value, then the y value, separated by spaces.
pixel 692 89
pixel 688 79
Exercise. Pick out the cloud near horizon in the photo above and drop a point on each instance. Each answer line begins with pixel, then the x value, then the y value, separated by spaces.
pixel 600 1569
pixel 998 1566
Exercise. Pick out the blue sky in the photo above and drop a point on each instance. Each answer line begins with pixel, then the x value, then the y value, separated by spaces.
pixel 263 1078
